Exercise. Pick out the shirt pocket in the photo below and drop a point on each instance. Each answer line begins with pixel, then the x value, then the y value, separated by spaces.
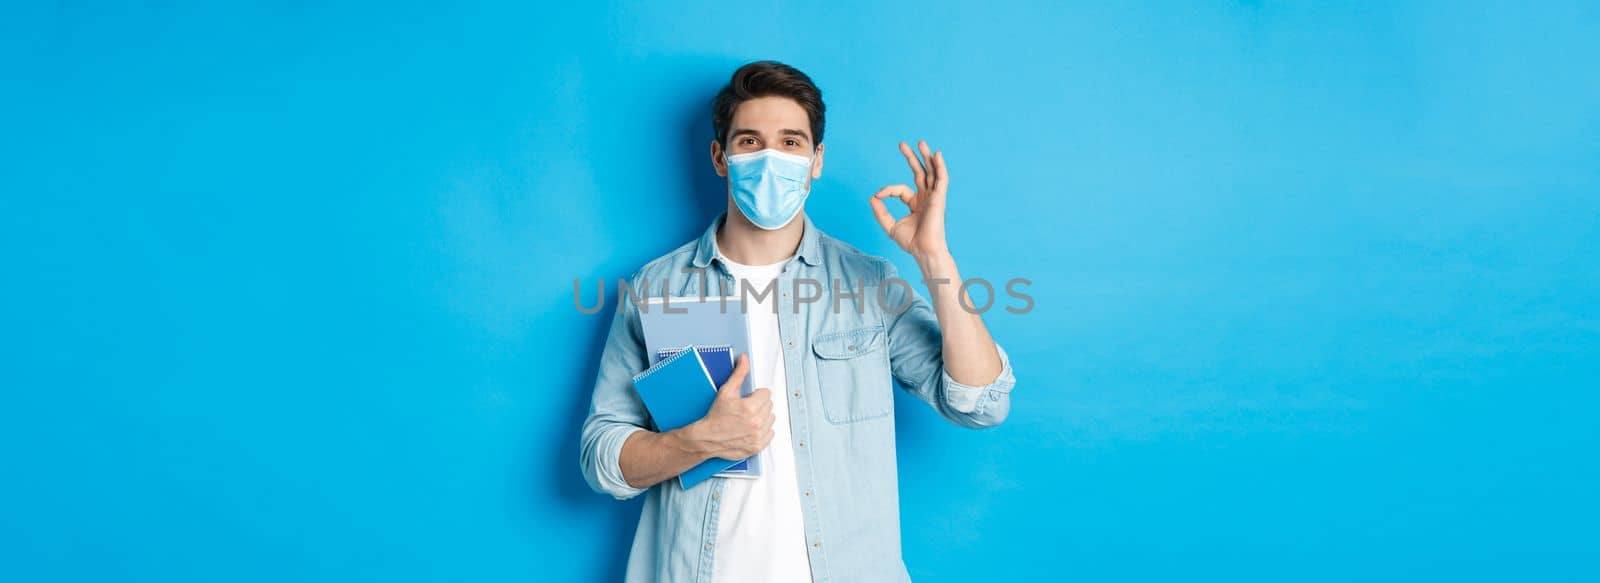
pixel 853 375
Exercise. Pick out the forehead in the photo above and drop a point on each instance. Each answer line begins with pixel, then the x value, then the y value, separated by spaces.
pixel 770 114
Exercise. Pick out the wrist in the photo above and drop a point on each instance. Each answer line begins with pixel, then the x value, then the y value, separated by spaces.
pixel 687 440
pixel 935 263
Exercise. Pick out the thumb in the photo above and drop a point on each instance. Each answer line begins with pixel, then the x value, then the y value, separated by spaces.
pixel 730 389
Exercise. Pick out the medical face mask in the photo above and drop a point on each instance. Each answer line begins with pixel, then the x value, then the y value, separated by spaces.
pixel 769 186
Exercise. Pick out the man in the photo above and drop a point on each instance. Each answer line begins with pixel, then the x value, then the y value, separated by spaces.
pixel 826 356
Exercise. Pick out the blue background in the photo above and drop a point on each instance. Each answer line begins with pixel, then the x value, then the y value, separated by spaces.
pixel 288 290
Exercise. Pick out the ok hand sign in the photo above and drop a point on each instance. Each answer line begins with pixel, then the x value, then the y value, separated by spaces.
pixel 920 233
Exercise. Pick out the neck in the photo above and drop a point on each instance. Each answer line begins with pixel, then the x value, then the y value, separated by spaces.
pixel 745 243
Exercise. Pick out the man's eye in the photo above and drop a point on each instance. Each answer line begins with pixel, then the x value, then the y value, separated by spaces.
pixel 792 143
pixel 748 141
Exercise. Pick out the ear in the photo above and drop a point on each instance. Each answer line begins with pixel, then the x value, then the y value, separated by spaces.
pixel 816 167
pixel 716 159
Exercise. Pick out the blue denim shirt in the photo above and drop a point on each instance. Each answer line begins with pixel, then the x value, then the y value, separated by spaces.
pixel 843 355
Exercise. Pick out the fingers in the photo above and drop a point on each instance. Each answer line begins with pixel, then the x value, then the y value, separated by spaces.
pixel 917 170
pixel 900 191
pixel 730 389
pixel 941 185
pixel 758 406
pixel 928 169
pixel 927 162
pixel 880 210
pixel 760 422
pixel 760 419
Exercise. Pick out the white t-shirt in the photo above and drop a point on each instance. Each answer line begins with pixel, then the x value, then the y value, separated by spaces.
pixel 760 530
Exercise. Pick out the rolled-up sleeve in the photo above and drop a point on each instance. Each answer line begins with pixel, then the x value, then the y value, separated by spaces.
pixel 991 401
pixel 615 411
pixel 916 359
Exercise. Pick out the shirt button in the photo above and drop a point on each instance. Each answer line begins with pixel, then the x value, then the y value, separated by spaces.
pixel 716 495
pixel 808 492
pixel 791 344
pixel 708 546
pixel 802 444
pixel 816 545
pixel 797 394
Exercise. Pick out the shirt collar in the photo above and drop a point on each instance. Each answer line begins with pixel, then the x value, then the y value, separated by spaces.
pixel 706 250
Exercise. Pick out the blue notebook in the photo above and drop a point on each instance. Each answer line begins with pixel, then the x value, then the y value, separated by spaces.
pixel 670 323
pixel 678 391
pixel 719 363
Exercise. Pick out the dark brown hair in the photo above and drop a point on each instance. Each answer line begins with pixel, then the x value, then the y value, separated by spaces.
pixel 766 79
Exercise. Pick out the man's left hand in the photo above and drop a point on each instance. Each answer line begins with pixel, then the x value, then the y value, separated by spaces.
pixel 920 233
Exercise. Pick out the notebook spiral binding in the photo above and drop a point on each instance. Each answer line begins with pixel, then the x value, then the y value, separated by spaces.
pixel 666 359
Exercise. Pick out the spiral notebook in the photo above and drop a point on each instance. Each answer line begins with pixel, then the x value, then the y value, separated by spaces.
pixel 718 361
pixel 677 391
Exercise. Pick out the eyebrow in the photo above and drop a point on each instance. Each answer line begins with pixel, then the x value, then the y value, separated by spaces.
pixel 782 132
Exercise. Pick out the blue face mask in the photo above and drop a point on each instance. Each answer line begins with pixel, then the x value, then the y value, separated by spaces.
pixel 769 186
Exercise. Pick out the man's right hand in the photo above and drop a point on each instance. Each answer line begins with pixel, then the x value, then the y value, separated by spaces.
pixel 736 427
